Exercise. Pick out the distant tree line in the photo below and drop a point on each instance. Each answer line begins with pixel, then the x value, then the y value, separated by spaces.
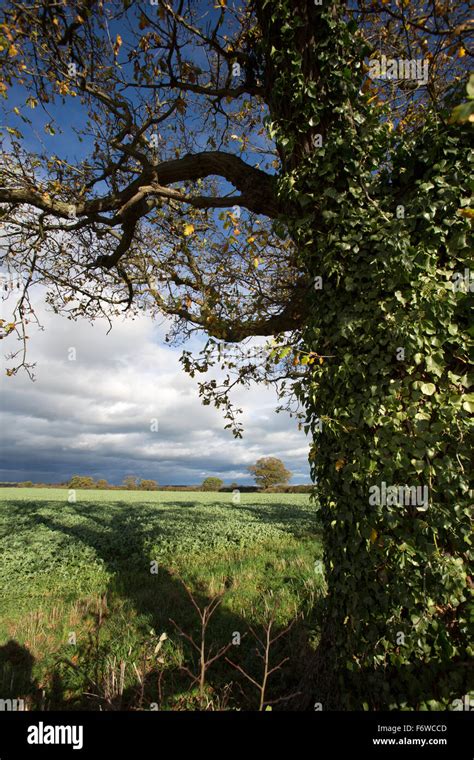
pixel 130 482
pixel 270 475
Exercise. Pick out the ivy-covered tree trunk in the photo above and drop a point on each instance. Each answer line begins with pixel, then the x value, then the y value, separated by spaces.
pixel 394 405
pixel 378 225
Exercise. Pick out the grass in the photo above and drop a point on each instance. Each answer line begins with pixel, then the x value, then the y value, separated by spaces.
pixel 83 572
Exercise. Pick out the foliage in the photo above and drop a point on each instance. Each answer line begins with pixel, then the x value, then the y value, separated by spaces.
pixel 465 111
pixel 81 481
pixel 290 489
pixel 131 482
pixel 148 485
pixel 269 471
pixel 212 484
pixel 392 401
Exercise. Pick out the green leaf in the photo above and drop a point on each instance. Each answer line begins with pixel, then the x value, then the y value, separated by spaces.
pixel 468 402
pixel 428 388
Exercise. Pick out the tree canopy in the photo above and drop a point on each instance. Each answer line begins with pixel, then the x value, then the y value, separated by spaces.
pixel 270 471
pixel 212 484
pixel 140 164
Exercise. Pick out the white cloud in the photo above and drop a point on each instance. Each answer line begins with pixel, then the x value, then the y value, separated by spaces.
pixel 93 415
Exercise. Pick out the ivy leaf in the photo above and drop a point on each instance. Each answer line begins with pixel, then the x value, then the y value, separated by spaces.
pixel 428 388
pixel 468 403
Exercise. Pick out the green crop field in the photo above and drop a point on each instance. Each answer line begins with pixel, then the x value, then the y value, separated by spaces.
pixel 89 588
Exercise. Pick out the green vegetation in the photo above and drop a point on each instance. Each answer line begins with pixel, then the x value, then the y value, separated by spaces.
pixel 212 484
pixel 148 485
pixel 81 481
pixel 131 482
pixel 391 402
pixel 106 571
pixel 270 471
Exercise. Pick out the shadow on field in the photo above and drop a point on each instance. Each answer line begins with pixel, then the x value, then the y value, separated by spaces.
pixel 16 674
pixel 122 540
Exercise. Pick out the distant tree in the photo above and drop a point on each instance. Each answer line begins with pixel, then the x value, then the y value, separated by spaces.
pixel 130 482
pixel 26 484
pixel 81 481
pixel 234 486
pixel 102 483
pixel 270 471
pixel 149 485
pixel 212 484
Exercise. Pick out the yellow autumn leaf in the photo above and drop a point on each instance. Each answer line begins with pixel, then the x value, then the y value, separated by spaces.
pixel 256 262
pixel 117 44
pixel 188 229
pixel 340 464
pixel 467 212
pixel 373 536
pixel 461 52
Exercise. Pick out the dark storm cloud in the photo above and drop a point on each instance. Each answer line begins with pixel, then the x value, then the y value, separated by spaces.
pixel 95 415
